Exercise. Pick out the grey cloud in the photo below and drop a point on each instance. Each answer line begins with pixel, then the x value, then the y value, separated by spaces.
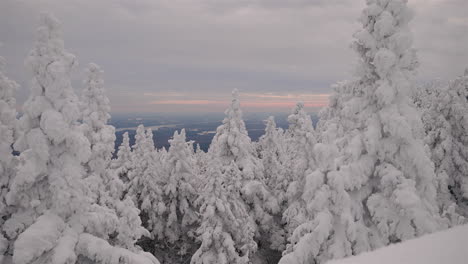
pixel 212 46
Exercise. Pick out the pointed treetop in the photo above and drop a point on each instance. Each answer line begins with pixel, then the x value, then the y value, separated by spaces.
pixel 299 107
pixel 198 149
pixel 49 20
pixel 2 63
pixel 384 43
pixel 94 71
pixel 270 125
pixel 270 122
pixel 178 137
pixel 235 93
pixel 50 28
pixel 234 109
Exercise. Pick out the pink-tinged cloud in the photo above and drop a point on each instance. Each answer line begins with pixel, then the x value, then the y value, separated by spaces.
pixel 189 102
pixel 246 104
pixel 249 102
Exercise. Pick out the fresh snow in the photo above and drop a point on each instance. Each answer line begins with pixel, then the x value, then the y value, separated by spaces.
pixel 449 246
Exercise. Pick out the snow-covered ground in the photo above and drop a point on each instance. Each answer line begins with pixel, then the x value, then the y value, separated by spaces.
pixel 450 246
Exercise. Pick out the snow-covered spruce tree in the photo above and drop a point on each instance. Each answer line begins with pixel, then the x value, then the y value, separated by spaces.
pixel 232 145
pixel 7 160
pixel 123 163
pixel 444 109
pixel 181 215
pixel 201 164
pixel 56 222
pixel 143 156
pixel 96 108
pixel 272 152
pixel 375 182
pixel 226 231
pixel 146 185
pixel 106 186
pixel 300 138
pixel 300 142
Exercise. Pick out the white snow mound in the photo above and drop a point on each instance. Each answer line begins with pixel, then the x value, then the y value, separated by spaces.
pixel 450 246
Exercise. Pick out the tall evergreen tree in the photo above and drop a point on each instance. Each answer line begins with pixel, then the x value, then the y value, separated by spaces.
pixel 7 160
pixel 179 191
pixel 105 185
pixel 144 164
pixel 375 183
pixel 301 139
pixel 272 152
pixel 232 143
pixel 175 239
pixel 232 146
pixel 56 221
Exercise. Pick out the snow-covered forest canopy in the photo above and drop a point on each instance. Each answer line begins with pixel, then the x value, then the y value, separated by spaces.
pixel 387 162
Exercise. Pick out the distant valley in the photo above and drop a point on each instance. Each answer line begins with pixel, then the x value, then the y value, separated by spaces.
pixel 200 128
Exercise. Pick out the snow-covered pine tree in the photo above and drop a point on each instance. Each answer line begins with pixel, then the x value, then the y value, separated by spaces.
pixel 300 142
pixel 105 184
pixel 444 111
pixel 226 232
pixel 56 222
pixel 143 157
pixel 375 184
pixel 179 194
pixel 7 160
pixel 300 138
pixel 272 152
pixel 232 145
pixel 95 109
pixel 145 186
pixel 201 164
pixel 123 163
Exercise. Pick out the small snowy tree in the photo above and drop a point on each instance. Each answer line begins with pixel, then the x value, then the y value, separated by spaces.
pixel 375 183
pixel 272 152
pixel 201 164
pixel 226 232
pixel 123 164
pixel 232 145
pixel 146 185
pixel 56 221
pixel 273 156
pixel 300 138
pixel 143 159
pixel 178 195
pixel 300 142
pixel 7 160
pixel 179 192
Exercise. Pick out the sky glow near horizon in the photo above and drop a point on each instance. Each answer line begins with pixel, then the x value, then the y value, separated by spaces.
pixel 188 55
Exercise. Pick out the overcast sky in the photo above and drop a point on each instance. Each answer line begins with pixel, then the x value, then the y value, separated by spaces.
pixel 187 55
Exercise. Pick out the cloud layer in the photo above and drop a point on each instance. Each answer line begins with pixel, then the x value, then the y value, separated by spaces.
pixel 202 49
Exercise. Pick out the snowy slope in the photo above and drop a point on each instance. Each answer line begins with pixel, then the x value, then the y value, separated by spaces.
pixel 450 246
